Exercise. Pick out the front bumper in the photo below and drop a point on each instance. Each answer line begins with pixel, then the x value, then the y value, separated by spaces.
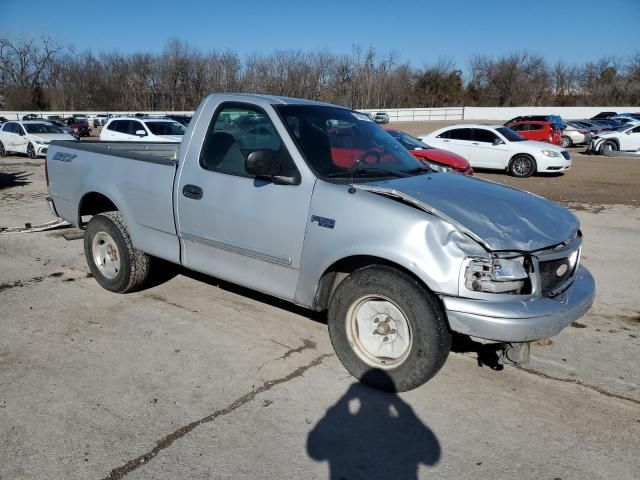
pixel 522 320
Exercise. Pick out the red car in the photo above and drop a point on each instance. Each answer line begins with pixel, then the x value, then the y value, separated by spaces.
pixel 538 131
pixel 435 157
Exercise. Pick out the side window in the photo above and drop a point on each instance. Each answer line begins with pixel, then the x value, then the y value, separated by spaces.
pixel 134 126
pixel 446 134
pixel 236 131
pixel 636 130
pixel 482 135
pixel 9 128
pixel 460 134
pixel 520 128
pixel 534 126
pixel 115 126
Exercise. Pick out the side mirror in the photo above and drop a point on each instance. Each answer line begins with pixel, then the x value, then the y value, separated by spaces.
pixel 141 133
pixel 497 142
pixel 264 163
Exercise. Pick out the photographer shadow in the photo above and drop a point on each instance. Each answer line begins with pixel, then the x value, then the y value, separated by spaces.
pixel 373 435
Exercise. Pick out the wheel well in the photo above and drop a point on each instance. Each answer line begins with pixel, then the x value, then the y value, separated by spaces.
pixel 611 140
pixel 92 204
pixel 339 270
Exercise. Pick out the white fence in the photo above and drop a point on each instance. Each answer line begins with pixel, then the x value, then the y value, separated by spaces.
pixel 406 114
pixel 420 114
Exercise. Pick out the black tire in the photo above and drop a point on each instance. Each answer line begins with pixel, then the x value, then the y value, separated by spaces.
pixel 566 142
pixel 133 264
pixel 431 338
pixel 3 152
pixel 31 152
pixel 522 166
pixel 609 145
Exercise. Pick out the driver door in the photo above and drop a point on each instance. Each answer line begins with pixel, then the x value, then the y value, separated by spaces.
pixel 630 140
pixel 232 225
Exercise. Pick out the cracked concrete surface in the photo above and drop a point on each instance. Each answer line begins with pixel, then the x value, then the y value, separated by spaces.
pixel 193 378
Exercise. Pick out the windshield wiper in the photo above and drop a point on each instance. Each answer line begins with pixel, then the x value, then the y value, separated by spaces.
pixel 368 171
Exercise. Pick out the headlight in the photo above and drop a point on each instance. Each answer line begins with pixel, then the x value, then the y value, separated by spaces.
pixel 41 142
pixel 436 167
pixel 496 275
pixel 550 153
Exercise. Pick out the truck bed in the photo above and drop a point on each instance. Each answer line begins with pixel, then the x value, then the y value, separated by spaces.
pixel 137 177
pixel 164 153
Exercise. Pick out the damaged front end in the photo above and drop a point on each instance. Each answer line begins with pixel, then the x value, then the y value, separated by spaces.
pixel 527 282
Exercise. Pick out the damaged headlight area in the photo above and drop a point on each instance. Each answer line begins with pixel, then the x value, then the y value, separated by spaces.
pixel 498 275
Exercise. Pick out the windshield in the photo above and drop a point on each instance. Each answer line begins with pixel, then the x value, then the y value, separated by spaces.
pixel 41 128
pixel 407 141
pixel 340 143
pixel 165 128
pixel 510 134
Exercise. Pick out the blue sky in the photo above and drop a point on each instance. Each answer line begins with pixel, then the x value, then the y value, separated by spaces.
pixel 420 31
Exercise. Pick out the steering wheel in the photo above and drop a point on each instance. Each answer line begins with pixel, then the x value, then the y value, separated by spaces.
pixel 369 153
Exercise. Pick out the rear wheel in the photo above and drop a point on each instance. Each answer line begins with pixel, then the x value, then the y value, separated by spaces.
pixel 387 329
pixel 566 142
pixel 522 166
pixel 112 259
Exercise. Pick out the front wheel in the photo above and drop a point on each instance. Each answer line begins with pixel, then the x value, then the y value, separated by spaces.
pixel 387 329
pixel 31 152
pixel 566 142
pixel 522 166
pixel 112 259
pixel 608 146
pixel 3 152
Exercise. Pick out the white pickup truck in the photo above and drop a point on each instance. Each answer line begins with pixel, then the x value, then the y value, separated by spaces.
pixel 316 204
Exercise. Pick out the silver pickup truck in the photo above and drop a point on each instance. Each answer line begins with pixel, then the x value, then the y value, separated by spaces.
pixel 316 204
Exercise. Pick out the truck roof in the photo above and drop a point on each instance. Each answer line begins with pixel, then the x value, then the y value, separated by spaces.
pixel 268 99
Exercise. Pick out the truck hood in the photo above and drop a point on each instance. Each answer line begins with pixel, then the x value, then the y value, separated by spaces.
pixel 496 216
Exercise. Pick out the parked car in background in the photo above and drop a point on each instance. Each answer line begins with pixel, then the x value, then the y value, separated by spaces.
pixel 625 138
pixel 3 119
pixel 31 116
pixel 575 134
pixel 31 137
pixel 399 256
pixel 539 131
pixel 80 126
pixel 134 129
pixel 500 148
pixel 100 119
pixel 557 119
pixel 626 119
pixel 183 119
pixel 63 127
pixel 594 126
pixel 381 117
pixel 436 158
pixel 604 115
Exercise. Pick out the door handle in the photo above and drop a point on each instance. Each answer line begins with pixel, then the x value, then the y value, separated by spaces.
pixel 475 143
pixel 192 191
pixel 446 141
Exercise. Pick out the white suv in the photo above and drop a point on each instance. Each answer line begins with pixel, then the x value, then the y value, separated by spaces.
pixel 498 147
pixel 128 129
pixel 624 138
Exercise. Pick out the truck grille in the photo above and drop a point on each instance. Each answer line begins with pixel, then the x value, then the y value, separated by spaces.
pixel 553 275
pixel 566 155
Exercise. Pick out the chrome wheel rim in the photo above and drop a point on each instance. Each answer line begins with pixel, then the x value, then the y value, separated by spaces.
pixel 566 142
pixel 521 166
pixel 379 332
pixel 106 255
